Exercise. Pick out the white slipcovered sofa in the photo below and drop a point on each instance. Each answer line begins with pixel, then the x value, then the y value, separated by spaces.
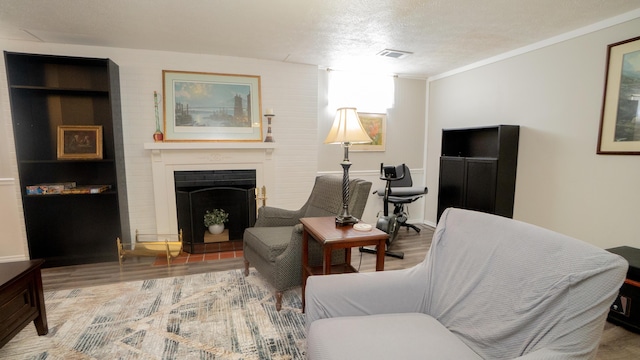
pixel 489 288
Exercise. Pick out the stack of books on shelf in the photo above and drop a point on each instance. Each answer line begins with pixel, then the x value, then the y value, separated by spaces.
pixel 65 188
pixel 49 188
pixel 87 189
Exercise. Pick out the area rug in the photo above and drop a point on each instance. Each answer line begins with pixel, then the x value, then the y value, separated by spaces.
pixel 221 315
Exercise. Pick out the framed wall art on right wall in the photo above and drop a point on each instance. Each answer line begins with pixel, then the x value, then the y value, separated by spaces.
pixel 620 120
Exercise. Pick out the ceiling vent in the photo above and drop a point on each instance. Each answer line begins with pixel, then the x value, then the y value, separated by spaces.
pixel 394 54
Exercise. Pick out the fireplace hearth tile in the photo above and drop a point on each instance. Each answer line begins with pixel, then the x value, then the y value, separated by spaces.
pixel 186 258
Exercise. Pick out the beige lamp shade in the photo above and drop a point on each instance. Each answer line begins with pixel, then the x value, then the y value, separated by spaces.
pixel 347 128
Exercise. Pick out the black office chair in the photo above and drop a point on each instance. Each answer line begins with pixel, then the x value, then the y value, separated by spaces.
pixel 398 190
pixel 401 192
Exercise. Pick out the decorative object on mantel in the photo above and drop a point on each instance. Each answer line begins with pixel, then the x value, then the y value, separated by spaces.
pixel 211 107
pixel 346 130
pixel 269 114
pixel 157 136
pixel 620 121
pixel 214 220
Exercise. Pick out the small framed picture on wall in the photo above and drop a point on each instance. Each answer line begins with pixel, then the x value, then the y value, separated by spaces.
pixel 376 127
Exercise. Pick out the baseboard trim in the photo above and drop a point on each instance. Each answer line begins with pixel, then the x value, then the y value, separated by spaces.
pixel 429 223
pixel 12 258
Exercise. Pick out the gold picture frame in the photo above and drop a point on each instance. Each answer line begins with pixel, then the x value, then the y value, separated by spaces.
pixel 211 107
pixel 619 131
pixel 79 142
pixel 376 127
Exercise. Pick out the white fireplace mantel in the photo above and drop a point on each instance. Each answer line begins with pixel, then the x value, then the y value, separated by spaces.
pixel 168 157
pixel 265 146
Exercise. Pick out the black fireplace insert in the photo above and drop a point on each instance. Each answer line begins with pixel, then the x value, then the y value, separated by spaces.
pixel 200 191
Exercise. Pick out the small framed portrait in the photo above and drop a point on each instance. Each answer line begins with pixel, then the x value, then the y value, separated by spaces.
pixel 79 142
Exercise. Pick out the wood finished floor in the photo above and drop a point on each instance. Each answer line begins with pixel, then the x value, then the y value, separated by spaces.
pixel 617 343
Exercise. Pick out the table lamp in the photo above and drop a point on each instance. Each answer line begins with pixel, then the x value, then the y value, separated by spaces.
pixel 346 130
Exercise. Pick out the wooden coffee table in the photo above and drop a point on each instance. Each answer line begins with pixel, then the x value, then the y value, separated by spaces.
pixel 331 237
pixel 21 298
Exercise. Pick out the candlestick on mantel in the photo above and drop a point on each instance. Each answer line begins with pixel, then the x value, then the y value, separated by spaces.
pixel 269 114
pixel 157 136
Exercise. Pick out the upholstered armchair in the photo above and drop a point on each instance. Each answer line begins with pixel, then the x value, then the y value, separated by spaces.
pixel 489 288
pixel 274 245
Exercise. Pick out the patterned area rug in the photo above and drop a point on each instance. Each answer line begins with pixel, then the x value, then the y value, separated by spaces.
pixel 221 315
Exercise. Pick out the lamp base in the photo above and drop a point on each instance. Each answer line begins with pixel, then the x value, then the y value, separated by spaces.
pixel 342 220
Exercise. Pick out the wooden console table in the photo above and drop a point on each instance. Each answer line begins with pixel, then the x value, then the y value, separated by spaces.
pixel 332 237
pixel 21 298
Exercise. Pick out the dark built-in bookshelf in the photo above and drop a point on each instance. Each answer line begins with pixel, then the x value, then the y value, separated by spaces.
pixel 47 92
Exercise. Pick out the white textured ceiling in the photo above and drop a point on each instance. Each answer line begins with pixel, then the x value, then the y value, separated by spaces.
pixel 341 34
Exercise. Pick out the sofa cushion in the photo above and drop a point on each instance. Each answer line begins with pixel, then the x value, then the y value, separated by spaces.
pixel 268 241
pixel 387 336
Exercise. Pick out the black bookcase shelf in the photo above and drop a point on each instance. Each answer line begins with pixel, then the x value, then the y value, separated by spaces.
pixel 58 90
pixel 48 91
pixel 478 169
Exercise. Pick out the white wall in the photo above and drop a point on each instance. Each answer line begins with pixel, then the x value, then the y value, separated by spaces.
pixel 290 89
pixel 12 244
pixel 404 143
pixel 555 94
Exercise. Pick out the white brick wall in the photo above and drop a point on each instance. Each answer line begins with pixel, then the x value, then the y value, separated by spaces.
pixel 297 93
pixel 290 89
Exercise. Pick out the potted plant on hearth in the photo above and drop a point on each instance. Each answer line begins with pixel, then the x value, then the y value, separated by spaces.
pixel 215 220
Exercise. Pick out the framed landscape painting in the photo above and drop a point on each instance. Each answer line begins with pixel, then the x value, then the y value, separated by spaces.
pixel 211 107
pixel 376 127
pixel 620 118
